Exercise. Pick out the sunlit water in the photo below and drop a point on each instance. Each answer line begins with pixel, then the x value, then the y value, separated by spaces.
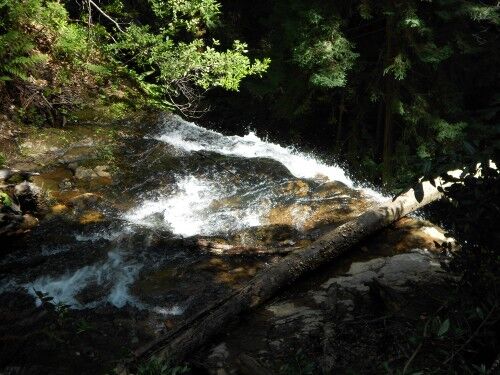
pixel 190 209
pixel 207 200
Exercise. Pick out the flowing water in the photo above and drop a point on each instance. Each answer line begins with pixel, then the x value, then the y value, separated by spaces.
pixel 179 181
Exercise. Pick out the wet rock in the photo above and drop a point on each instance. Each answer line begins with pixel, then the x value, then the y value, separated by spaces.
pixel 410 233
pixel 59 209
pixel 30 197
pixel 18 206
pixel 10 223
pixel 91 216
pixel 86 201
pixel 335 188
pixel 29 222
pixel 82 173
pixel 80 152
pixel 102 171
pixel 66 184
pixel 299 188
pixel 16 175
pixel 267 235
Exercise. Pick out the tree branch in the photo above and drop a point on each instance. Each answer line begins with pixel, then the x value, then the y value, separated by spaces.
pixel 106 15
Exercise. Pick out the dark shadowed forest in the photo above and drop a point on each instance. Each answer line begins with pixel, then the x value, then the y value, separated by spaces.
pixel 249 187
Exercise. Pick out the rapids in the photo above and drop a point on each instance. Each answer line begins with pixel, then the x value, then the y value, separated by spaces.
pixel 180 180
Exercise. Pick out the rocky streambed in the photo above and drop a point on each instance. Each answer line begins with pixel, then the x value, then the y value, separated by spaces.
pixel 147 221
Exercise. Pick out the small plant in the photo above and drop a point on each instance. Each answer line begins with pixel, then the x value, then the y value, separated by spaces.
pixel 60 308
pixel 5 200
pixel 159 367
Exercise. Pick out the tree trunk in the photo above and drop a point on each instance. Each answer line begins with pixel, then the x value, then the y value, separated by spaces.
pixel 205 325
pixel 389 102
pixel 339 125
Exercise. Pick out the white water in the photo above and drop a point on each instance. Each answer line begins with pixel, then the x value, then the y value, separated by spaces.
pixel 192 208
pixel 208 202
pixel 191 137
pixel 114 275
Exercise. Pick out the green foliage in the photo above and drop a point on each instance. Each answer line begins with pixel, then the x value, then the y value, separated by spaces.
pixel 72 43
pixel 399 67
pixel 159 367
pixel 192 16
pixel 325 52
pixel 169 58
pixel 16 57
pixel 165 69
pixel 5 200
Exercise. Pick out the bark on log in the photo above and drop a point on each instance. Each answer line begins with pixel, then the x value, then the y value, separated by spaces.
pixel 228 249
pixel 204 326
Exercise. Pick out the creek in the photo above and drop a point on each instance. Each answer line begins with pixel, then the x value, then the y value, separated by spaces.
pixel 128 243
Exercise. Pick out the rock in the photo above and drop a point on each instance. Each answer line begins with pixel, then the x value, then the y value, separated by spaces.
pixel 82 173
pixel 16 175
pixel 86 201
pixel 65 184
pixel 73 166
pixel 5 174
pixel 298 188
pixel 9 223
pixel 102 171
pixel 399 271
pixel 29 222
pixel 30 197
pixel 59 209
pixel 389 283
pixel 80 152
pixel 89 217
pixel 251 366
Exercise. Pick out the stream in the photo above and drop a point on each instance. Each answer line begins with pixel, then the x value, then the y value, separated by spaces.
pixel 128 243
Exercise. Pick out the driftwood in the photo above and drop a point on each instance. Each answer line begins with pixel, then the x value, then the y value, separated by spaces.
pixel 204 326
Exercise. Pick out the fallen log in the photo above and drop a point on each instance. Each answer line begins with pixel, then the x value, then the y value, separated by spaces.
pixel 218 248
pixel 195 332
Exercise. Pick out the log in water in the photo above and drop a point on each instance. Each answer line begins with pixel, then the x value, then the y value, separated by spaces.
pixel 200 329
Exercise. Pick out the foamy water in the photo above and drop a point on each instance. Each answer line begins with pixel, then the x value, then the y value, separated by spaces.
pixel 191 137
pixel 191 208
pixel 114 274
pixel 205 202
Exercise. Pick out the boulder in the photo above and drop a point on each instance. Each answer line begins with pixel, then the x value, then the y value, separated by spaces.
pixel 30 197
pixel 83 173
